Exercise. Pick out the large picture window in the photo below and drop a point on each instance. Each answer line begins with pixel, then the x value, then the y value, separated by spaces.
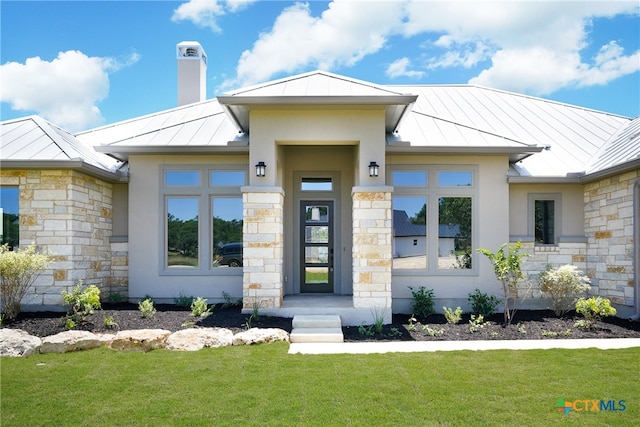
pixel 193 245
pixel 433 218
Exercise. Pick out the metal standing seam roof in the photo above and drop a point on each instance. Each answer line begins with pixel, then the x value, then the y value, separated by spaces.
pixel 34 139
pixel 202 124
pixel 622 148
pixel 467 115
pixel 442 118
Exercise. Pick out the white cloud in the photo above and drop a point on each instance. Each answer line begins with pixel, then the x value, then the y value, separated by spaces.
pixel 399 68
pixel 532 46
pixel 205 13
pixel 65 90
pixel 344 34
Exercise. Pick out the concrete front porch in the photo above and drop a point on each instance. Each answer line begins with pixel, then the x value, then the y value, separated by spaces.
pixel 341 305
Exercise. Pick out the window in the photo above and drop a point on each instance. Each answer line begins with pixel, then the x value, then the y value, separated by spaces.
pixel 544 226
pixel 454 232
pixel 433 223
pixel 10 226
pixel 409 232
pixel 544 217
pixel 316 184
pixel 192 245
pixel 182 231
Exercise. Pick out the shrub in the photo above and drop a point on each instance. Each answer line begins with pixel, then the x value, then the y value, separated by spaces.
pixel 82 302
pixel 116 298
pixel 593 309
pixel 183 301
pixel 506 266
pixel 452 316
pixel 18 270
pixel 482 303
pixel 147 310
pixel 109 322
pixel 562 287
pixel 422 302
pixel 229 301
pixel 199 308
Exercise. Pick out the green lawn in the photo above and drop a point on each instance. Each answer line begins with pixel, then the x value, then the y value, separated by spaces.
pixel 263 385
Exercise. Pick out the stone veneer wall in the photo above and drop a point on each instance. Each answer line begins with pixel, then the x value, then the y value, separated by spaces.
pixel 609 226
pixel 67 213
pixel 372 235
pixel 263 232
pixel 554 256
pixel 607 256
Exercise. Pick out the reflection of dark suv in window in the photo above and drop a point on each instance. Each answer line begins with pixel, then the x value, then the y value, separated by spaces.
pixel 231 254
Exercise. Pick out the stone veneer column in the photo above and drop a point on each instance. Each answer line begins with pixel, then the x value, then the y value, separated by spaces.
pixel 372 247
pixel 609 222
pixel 263 230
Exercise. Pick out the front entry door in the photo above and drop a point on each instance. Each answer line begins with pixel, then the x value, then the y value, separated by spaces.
pixel 316 246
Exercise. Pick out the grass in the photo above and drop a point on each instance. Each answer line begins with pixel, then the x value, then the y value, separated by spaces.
pixel 263 385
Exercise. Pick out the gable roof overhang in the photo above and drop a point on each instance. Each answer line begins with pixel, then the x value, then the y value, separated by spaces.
pixel 117 176
pixel 395 106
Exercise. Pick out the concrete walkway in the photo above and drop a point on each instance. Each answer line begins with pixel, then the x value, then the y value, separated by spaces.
pixel 425 346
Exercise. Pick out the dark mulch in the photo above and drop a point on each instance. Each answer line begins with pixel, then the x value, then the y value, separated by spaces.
pixel 534 324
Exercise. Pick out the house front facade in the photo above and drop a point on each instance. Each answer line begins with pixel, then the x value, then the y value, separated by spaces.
pixel 340 193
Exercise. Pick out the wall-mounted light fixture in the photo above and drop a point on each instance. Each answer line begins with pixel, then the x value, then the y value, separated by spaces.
pixel 261 169
pixel 374 169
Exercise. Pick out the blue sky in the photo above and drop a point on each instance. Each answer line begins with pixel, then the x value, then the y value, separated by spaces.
pixel 86 64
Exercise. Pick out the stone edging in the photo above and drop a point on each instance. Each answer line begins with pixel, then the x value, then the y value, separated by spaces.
pixel 17 343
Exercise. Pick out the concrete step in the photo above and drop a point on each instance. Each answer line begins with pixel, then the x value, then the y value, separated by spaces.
pixel 316 335
pixel 316 321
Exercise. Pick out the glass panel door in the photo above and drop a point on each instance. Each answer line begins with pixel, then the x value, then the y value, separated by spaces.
pixel 316 246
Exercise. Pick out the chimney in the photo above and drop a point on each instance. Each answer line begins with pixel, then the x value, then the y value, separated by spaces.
pixel 192 73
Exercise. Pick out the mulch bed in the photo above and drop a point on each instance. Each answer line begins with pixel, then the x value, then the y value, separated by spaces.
pixel 527 324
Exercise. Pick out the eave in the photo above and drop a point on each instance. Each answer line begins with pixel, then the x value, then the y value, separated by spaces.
pixel 73 164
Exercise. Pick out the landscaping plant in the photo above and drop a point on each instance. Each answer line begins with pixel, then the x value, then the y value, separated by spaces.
pixel 482 303
pixel 18 270
pixel 506 266
pixel 199 308
pixel 82 301
pixel 183 301
pixel 452 316
pixel 147 310
pixel 562 286
pixel 593 309
pixel 422 302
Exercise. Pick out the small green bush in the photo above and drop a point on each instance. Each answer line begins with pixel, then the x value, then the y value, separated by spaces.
pixel 116 298
pixel 18 270
pixel 422 302
pixel 593 309
pixel 183 301
pixel 483 304
pixel 562 287
pixel 147 310
pixel 453 316
pixel 199 308
pixel 82 301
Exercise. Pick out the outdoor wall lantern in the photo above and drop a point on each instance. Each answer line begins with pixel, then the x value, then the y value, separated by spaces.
pixel 374 169
pixel 260 169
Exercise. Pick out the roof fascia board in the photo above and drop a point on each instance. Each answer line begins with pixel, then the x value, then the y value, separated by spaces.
pixel 614 170
pixel 234 148
pixel 409 149
pixel 543 180
pixel 319 100
pixel 74 164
